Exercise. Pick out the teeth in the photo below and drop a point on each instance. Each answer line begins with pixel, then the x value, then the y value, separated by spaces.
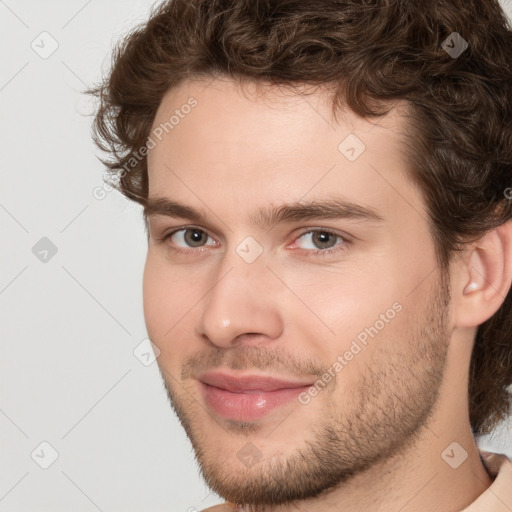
pixel 250 391
pixel 256 391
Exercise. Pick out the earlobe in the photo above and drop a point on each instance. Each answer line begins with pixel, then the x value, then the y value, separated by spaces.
pixel 486 277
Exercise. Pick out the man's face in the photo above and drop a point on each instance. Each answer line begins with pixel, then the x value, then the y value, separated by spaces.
pixel 350 307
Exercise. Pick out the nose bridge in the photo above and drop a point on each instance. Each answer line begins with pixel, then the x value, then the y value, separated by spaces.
pixel 238 302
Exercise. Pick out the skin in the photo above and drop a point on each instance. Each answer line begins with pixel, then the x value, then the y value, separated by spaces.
pixel 373 438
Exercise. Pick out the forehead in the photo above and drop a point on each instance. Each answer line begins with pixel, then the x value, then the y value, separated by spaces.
pixel 278 144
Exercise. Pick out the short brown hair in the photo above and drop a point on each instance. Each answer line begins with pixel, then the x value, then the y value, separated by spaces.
pixel 370 53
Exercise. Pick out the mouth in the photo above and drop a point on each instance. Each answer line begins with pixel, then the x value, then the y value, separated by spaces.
pixel 247 397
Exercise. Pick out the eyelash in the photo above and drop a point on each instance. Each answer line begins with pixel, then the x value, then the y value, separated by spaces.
pixel 315 252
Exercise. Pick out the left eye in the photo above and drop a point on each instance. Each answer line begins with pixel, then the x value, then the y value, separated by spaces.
pixel 320 239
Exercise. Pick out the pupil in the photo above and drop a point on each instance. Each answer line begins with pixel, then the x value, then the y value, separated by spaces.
pixel 323 237
pixel 195 237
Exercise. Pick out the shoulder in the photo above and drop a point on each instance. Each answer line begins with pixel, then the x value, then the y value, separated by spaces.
pixel 495 462
pixel 223 507
pixel 498 497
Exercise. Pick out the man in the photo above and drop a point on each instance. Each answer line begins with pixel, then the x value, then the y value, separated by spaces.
pixel 326 187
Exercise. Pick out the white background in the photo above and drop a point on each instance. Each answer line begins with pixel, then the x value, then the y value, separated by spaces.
pixel 68 375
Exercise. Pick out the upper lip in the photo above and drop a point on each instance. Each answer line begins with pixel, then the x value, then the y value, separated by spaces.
pixel 248 382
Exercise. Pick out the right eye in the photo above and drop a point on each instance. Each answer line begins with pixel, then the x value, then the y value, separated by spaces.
pixel 188 237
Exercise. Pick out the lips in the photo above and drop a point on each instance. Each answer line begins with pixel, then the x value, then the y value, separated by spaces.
pixel 247 397
pixel 248 383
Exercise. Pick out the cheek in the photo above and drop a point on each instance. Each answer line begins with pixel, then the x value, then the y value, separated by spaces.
pixel 367 344
pixel 168 299
pixel 345 300
pixel 151 289
pixel 162 297
pixel 352 313
pixel 380 326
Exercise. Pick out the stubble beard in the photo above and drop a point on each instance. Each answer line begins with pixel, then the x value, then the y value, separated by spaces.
pixel 380 416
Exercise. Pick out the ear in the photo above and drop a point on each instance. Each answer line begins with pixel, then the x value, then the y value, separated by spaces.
pixel 484 277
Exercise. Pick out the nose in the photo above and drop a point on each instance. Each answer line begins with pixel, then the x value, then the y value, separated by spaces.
pixel 241 306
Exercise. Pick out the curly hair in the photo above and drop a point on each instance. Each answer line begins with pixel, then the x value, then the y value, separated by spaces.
pixel 370 53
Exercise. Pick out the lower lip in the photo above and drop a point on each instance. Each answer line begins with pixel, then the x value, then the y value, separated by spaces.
pixel 248 406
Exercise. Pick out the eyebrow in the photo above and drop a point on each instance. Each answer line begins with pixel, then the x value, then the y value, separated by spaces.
pixel 271 215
